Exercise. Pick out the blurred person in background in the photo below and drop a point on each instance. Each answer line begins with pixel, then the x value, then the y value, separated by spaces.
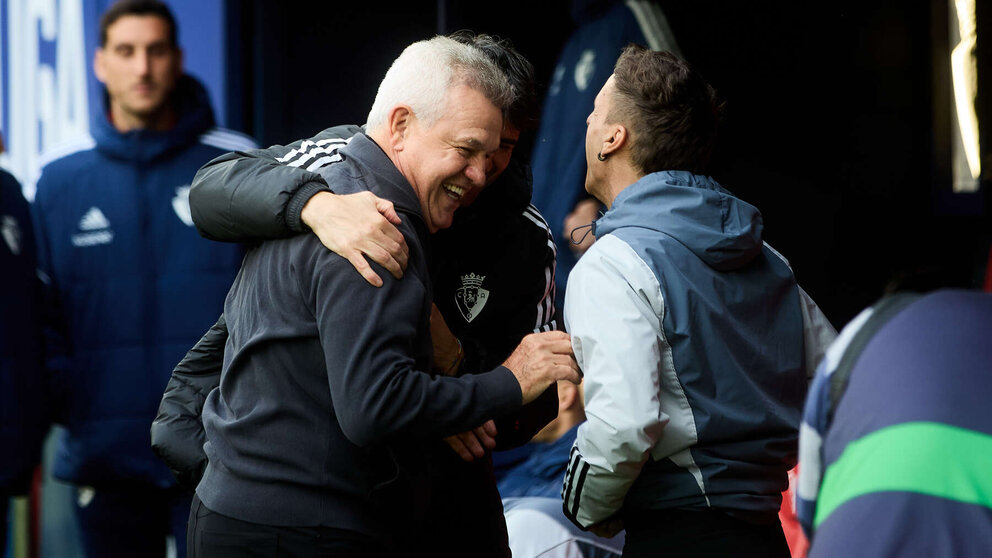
pixel 130 284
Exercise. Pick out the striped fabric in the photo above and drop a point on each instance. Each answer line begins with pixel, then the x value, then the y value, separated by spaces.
pixel 898 461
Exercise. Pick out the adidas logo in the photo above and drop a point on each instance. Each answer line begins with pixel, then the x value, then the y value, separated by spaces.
pixel 93 220
pixel 96 229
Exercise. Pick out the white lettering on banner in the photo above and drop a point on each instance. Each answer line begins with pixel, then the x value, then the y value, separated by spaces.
pixel 47 104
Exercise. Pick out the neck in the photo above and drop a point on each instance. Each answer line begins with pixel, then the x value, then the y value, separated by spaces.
pixel 161 120
pixel 622 176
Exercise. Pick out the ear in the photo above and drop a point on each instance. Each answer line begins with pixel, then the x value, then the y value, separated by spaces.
pixel 98 69
pixel 619 136
pixel 401 119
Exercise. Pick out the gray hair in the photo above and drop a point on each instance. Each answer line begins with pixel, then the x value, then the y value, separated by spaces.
pixel 425 71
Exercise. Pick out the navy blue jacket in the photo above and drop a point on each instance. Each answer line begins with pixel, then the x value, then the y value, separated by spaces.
pixel 896 442
pixel 131 285
pixel 23 420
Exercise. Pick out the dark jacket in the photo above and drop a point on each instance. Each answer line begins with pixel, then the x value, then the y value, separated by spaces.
pixel 131 285
pixel 23 405
pixel 323 409
pixel 500 246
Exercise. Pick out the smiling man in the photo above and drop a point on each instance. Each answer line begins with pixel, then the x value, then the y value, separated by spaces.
pixel 318 436
pixel 132 284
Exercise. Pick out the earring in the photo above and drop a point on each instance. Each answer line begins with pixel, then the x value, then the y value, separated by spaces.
pixel 600 156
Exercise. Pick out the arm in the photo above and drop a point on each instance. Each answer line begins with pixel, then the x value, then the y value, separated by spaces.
pixel 614 310
pixel 55 344
pixel 272 193
pixel 376 388
pixel 177 432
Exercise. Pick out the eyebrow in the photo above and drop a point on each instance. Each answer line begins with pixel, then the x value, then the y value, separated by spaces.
pixel 472 143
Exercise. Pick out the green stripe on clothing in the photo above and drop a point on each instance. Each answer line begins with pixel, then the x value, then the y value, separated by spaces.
pixel 924 457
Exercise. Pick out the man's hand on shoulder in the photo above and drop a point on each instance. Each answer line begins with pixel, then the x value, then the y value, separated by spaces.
pixel 358 225
pixel 540 360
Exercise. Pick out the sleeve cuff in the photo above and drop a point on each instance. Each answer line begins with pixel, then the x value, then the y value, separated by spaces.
pixel 294 208
pixel 501 389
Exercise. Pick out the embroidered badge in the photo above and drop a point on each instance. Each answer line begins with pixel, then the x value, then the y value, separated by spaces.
pixel 471 297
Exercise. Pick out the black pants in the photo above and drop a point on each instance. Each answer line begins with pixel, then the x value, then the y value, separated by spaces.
pixel 212 535
pixel 701 534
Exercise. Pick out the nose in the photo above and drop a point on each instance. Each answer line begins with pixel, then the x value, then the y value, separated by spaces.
pixel 476 170
pixel 142 61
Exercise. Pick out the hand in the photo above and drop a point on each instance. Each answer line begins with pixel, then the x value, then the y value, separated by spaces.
pixel 351 225
pixel 608 528
pixel 473 444
pixel 448 351
pixel 540 359
pixel 584 213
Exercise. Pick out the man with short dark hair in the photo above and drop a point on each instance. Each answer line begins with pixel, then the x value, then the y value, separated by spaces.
pixel 131 284
pixel 694 338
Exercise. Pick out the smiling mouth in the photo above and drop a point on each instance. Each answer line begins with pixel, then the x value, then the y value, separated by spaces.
pixel 454 192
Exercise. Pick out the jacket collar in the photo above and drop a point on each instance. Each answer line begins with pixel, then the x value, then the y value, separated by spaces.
pixel 194 118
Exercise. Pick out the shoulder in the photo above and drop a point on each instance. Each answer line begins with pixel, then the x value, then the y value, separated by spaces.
pixel 227 140
pixel 60 164
pixel 65 153
pixel 533 216
pixel 612 265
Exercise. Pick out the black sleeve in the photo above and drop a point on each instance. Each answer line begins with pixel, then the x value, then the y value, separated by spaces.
pixel 254 195
pixel 177 432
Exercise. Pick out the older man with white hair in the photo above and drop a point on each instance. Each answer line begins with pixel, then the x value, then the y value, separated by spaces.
pixel 315 434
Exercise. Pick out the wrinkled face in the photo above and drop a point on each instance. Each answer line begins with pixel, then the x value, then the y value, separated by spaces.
pixel 498 162
pixel 138 65
pixel 446 163
pixel 597 131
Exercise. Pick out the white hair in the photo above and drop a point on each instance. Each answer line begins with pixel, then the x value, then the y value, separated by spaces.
pixel 425 71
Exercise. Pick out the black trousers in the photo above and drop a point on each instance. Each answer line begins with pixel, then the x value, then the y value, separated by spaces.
pixel 701 534
pixel 212 535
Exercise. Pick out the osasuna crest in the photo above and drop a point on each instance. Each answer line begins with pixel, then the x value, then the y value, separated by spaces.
pixel 471 297
pixel 180 204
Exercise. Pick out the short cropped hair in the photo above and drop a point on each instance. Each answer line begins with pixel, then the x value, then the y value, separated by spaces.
pixel 524 111
pixel 123 8
pixel 671 112
pixel 425 71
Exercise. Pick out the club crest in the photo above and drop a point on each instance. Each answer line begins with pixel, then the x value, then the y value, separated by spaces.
pixel 471 297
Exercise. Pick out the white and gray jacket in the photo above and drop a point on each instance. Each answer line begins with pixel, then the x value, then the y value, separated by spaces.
pixel 695 342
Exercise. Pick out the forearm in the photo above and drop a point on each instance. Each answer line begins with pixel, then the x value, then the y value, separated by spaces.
pixel 246 196
pixel 177 433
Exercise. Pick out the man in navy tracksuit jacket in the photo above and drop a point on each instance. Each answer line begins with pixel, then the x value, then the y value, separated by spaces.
pixel 131 285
